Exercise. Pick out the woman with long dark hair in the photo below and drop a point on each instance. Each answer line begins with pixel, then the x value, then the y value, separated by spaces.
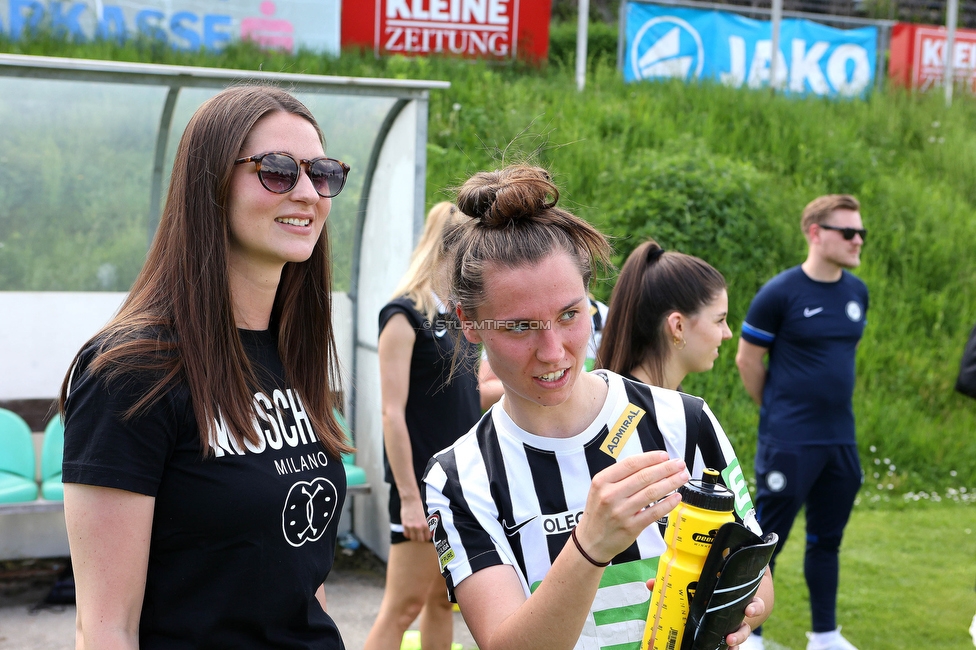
pixel 202 471
pixel 668 317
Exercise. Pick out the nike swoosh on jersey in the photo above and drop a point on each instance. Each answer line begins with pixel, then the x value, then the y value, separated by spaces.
pixel 812 312
pixel 511 530
pixel 440 333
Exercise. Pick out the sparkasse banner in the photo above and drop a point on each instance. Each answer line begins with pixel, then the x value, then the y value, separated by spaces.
pixel 183 24
pixel 918 57
pixel 663 41
pixel 493 29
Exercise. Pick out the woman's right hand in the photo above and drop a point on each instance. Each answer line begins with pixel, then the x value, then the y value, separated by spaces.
pixel 626 498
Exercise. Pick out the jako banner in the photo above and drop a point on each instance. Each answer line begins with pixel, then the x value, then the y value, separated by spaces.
pixel 183 24
pixel 695 44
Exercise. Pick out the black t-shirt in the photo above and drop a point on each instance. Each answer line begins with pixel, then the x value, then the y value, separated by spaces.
pixel 438 412
pixel 241 539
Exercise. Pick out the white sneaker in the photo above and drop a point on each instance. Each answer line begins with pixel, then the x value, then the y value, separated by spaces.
pixel 972 630
pixel 828 641
pixel 754 642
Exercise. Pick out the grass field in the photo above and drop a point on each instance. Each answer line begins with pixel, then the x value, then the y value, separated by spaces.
pixel 907 579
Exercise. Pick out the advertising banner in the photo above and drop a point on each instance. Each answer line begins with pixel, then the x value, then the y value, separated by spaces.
pixel 488 29
pixel 918 57
pixel 692 44
pixel 183 24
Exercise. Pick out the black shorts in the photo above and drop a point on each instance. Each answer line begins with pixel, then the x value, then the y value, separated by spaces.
pixel 396 526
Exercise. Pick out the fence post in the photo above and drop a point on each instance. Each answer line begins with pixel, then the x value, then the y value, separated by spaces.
pixel 582 25
pixel 952 12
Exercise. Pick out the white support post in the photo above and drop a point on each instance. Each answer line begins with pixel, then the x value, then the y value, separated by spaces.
pixel 952 13
pixel 776 19
pixel 582 27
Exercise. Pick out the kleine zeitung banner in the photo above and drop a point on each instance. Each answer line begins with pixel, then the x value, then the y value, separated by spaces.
pixel 918 57
pixel 493 29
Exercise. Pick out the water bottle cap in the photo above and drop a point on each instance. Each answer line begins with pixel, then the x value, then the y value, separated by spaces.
pixel 707 493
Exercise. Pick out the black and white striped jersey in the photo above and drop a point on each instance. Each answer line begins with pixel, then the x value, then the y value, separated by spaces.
pixel 501 495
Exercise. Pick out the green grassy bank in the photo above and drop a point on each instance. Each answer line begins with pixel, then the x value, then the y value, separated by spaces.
pixel 724 174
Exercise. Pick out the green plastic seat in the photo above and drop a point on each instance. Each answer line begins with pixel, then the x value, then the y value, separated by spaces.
pixel 17 482
pixel 52 454
pixel 355 475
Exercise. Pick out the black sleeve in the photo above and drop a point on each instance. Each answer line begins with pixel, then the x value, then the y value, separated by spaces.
pixel 103 448
pixel 401 306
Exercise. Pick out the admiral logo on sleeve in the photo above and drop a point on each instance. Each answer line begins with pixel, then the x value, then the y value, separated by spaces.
pixel 620 432
pixel 443 547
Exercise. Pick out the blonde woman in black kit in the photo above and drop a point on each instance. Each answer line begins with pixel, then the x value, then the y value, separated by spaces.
pixel 202 471
pixel 425 408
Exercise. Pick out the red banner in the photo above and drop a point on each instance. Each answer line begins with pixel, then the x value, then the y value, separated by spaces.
pixel 488 29
pixel 918 57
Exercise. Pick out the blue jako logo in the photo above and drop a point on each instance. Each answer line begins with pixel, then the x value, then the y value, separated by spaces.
pixel 667 47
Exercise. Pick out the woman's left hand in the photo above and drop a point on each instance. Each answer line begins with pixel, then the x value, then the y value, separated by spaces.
pixel 755 609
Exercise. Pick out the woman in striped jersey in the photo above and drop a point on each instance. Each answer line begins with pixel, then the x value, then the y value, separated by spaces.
pixel 540 514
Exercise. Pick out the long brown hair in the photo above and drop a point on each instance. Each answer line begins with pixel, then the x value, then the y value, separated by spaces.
pixel 653 283
pixel 515 222
pixel 177 322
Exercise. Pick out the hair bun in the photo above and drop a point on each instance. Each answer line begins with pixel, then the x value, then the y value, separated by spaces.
pixel 500 198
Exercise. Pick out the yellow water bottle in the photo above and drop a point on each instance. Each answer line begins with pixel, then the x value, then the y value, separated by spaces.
pixel 692 525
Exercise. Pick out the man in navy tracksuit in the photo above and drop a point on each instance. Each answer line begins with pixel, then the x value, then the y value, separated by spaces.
pixel 809 320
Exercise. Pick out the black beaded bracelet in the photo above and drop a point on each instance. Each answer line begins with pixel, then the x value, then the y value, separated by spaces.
pixel 579 547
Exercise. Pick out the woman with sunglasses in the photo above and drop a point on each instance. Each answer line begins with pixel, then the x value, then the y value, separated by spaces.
pixel 667 317
pixel 544 515
pixel 202 471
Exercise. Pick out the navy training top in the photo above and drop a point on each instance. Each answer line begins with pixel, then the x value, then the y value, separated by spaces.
pixel 812 330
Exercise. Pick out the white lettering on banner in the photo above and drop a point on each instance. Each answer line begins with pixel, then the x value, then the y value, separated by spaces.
pixel 965 55
pixel 455 41
pixel 837 69
pixel 761 63
pixel 807 67
pixel 463 27
pixel 485 12
pixel 737 58
pixel 933 54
